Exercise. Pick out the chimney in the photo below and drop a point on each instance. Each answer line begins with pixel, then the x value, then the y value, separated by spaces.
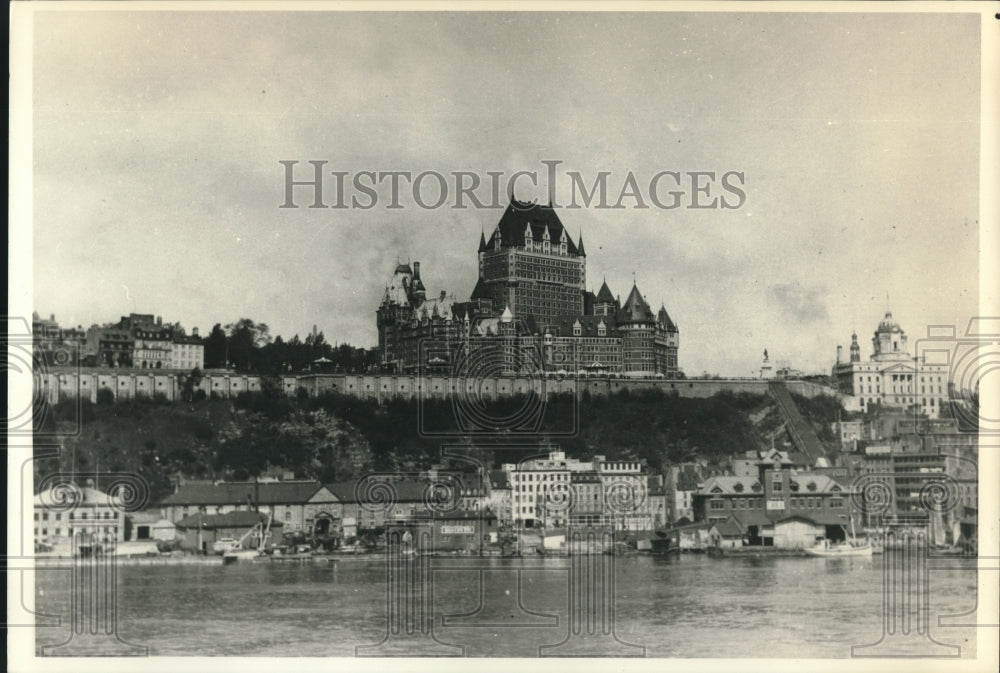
pixel 194 331
pixel 839 349
pixel 416 269
pixel 159 321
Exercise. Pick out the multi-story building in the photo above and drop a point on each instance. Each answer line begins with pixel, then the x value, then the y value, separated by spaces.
pixel 151 347
pixel 530 299
pixel 187 352
pixel 916 477
pixel 531 264
pixel 109 346
pixel 556 491
pixel 90 512
pixel 780 506
pixel 681 485
pixel 499 498
pixel 891 377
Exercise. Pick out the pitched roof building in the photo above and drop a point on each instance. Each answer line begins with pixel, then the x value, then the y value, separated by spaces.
pixel 531 285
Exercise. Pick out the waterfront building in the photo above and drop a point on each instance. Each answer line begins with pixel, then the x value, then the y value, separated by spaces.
pixel 556 490
pixel 199 532
pixel 909 473
pixel 59 513
pixel 681 484
pixel 656 492
pixel 532 291
pixel 891 376
pixel 149 526
pixel 499 498
pixel 284 501
pixel 781 506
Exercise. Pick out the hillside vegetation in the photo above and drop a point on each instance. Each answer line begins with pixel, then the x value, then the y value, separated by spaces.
pixel 332 438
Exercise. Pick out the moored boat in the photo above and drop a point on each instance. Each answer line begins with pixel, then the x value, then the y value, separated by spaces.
pixel 843 549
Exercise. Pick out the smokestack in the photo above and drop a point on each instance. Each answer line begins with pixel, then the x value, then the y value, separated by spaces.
pixel 416 269
pixel 839 349
pixel 194 331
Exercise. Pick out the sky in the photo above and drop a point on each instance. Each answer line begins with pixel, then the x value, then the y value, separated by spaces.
pixel 157 138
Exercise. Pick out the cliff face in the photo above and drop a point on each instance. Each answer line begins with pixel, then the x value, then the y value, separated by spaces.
pixel 331 438
pixel 210 439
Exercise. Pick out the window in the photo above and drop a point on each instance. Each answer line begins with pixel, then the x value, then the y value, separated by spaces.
pixel 717 504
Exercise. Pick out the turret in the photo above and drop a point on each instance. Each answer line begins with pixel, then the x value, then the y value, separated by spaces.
pixel 417 290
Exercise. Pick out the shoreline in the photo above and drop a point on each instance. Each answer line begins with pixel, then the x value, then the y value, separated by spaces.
pixel 50 561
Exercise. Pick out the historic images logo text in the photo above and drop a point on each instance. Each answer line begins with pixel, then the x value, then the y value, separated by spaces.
pixel 315 185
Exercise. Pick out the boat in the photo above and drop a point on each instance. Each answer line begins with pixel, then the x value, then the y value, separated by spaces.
pixel 851 547
pixel 824 548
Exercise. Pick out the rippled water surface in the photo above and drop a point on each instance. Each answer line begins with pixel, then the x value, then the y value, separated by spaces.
pixel 691 606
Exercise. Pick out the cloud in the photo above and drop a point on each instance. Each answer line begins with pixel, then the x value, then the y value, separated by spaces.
pixel 805 304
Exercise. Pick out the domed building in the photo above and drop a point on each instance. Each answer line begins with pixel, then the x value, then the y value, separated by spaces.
pixel 889 342
pixel 891 377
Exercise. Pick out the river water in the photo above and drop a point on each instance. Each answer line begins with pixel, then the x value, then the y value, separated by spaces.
pixel 687 606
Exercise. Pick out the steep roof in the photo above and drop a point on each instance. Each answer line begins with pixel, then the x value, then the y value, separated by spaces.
pixel 519 216
pixel 588 325
pixel 604 295
pixel 664 318
pixel 227 520
pixel 635 308
pixel 232 493
pixel 403 490
pixel 731 527
pixel 729 485
pixel 87 497
pixel 479 292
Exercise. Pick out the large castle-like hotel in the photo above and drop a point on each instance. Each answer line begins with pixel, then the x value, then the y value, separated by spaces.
pixel 531 306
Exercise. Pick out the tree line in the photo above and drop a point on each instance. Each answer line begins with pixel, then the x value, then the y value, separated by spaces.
pixel 247 346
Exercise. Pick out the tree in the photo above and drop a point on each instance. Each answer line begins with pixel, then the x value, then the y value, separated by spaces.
pixel 215 348
pixel 189 382
pixel 246 339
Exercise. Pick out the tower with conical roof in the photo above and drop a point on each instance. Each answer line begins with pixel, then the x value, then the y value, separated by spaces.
pixel 605 303
pixel 855 348
pixel 666 342
pixel 637 327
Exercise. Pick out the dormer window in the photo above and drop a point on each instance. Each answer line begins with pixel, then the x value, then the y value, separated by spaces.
pixel 602 330
pixel 577 329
